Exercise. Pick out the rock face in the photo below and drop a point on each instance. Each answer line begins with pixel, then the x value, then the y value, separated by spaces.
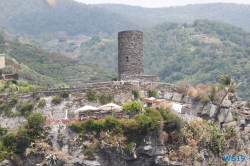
pixel 150 153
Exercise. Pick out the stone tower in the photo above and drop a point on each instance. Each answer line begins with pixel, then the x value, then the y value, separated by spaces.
pixel 130 53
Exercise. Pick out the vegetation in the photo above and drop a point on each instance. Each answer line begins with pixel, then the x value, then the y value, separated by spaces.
pixel 5 107
pixel 91 95
pixel 15 142
pixel 187 13
pixel 133 129
pixel 104 99
pixel 171 120
pixel 134 106
pixel 11 86
pixel 25 108
pixel 64 94
pixel 43 68
pixel 100 21
pixel 89 151
pixel 56 100
pixel 152 94
pixel 136 94
pixel 3 131
pixel 42 103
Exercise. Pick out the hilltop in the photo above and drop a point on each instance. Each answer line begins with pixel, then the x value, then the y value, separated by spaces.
pixel 35 17
pixel 236 14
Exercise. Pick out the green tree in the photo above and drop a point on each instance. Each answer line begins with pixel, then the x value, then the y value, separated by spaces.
pixel 134 106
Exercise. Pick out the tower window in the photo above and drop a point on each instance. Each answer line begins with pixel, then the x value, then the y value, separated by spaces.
pixel 126 59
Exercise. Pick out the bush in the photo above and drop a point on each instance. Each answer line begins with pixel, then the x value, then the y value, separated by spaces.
pixel 37 98
pixel 172 121
pixel 64 94
pixel 217 140
pixel 104 99
pixel 13 100
pixel 25 108
pixel 136 94
pixel 3 131
pixel 134 106
pixel 91 95
pixel 6 108
pixel 89 151
pixel 9 141
pixel 56 100
pixel 35 123
pixel 42 103
pixel 231 131
pixel 152 94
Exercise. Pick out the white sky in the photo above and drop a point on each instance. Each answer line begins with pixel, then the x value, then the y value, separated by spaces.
pixel 161 3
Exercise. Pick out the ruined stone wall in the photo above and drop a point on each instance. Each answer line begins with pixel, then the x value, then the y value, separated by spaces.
pixel 130 53
pixel 141 78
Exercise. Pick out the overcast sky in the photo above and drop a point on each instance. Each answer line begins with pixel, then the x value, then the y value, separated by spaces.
pixel 161 3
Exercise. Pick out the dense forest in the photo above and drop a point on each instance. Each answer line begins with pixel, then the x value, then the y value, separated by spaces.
pixel 237 14
pixel 35 17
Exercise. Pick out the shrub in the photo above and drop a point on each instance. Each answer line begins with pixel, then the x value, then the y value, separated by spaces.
pixel 34 125
pixel 152 94
pixel 3 152
pixel 64 94
pixel 56 100
pixel 134 106
pixel 9 142
pixel 231 131
pixel 136 94
pixel 104 99
pixel 213 93
pixel 42 103
pixel 6 108
pixel 91 95
pixel 172 121
pixel 3 131
pixel 217 141
pixel 13 100
pixel 37 98
pixel 89 151
pixel 129 147
pixel 25 108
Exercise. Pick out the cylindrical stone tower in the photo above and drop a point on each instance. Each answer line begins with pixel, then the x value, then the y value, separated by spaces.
pixel 130 53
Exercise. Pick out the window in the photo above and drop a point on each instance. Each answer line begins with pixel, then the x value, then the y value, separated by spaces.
pixel 126 59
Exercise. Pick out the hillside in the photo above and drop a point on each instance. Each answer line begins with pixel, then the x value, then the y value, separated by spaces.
pixel 44 68
pixel 35 17
pixel 195 53
pixel 237 14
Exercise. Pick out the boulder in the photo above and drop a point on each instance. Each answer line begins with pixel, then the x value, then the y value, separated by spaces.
pixel 161 160
pixel 208 110
pixel 225 115
pixel 226 103
pixel 233 123
pixel 5 163
pixel 197 108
